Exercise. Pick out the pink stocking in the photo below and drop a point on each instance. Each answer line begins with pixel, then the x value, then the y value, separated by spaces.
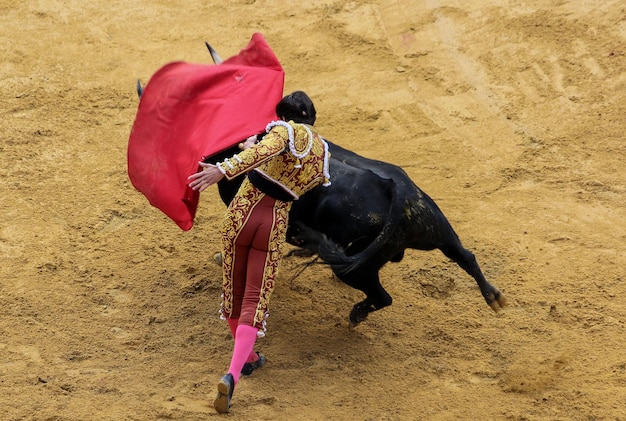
pixel 232 324
pixel 244 344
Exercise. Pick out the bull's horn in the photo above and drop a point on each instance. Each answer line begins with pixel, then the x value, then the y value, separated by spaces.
pixel 216 57
pixel 139 88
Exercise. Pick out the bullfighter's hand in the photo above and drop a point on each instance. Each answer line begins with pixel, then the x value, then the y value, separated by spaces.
pixel 248 143
pixel 205 178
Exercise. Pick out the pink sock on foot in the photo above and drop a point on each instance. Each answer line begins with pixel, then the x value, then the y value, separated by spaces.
pixel 253 357
pixel 232 324
pixel 244 344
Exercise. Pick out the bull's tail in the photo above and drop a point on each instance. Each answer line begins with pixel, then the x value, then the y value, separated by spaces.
pixel 330 251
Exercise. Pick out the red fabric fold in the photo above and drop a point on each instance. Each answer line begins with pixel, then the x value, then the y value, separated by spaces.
pixel 190 111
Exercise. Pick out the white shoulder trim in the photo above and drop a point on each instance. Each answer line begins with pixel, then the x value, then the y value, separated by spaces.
pixel 326 162
pixel 283 124
pixel 292 146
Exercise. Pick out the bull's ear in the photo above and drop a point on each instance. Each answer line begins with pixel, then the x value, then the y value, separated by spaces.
pixel 216 57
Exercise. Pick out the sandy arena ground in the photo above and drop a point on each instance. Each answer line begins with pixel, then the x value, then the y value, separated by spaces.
pixel 510 114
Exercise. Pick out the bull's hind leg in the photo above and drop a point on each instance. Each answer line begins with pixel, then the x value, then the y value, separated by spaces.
pixel 368 282
pixel 467 261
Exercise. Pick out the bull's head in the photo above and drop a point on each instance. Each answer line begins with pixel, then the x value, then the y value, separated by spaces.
pixel 216 59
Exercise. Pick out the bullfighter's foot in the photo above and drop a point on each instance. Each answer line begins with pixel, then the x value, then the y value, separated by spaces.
pixel 225 389
pixel 248 368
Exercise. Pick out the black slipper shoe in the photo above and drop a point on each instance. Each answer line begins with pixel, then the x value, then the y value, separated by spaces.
pixel 248 368
pixel 225 389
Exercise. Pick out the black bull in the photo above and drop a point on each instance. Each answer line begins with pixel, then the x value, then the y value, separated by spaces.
pixel 367 217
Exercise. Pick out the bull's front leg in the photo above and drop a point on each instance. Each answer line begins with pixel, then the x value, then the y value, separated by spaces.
pixel 360 311
pixel 366 280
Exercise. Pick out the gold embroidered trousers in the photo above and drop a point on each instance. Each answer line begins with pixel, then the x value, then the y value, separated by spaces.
pixel 253 238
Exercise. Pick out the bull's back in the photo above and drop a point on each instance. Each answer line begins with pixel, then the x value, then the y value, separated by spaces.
pixel 419 224
pixel 352 211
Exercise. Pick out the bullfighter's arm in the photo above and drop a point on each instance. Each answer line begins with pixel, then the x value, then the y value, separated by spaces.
pixel 271 145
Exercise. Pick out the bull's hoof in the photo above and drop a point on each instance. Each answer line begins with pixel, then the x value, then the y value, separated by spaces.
pixel 359 313
pixel 497 301
pixel 355 319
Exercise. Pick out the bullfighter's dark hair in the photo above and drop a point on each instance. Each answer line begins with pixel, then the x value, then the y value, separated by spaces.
pixel 297 106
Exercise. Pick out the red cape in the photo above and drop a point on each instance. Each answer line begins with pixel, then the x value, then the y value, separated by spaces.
pixel 190 111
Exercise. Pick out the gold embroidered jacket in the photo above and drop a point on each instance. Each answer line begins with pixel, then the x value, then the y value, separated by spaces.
pixel 291 156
